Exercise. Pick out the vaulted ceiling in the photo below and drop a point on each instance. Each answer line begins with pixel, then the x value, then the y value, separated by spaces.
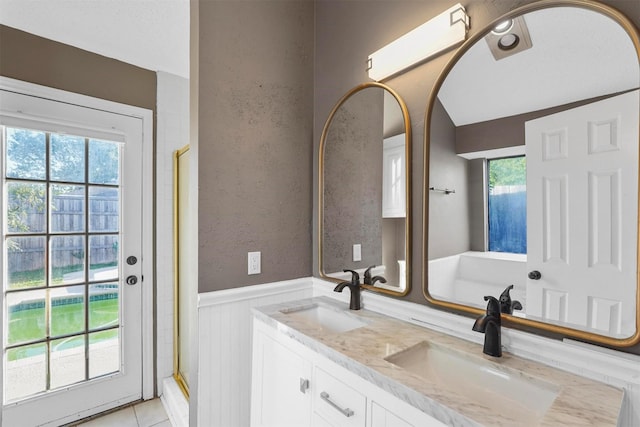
pixel 576 54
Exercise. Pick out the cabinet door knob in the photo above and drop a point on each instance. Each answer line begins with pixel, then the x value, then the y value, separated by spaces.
pixel 304 385
pixel 345 411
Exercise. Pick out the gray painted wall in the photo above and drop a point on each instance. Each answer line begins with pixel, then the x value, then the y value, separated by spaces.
pixel 347 31
pixel 255 140
pixel 353 182
pixel 34 59
pixel 448 213
pixel 507 131
pixel 476 176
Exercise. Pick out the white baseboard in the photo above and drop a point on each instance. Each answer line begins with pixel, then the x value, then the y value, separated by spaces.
pixel 175 403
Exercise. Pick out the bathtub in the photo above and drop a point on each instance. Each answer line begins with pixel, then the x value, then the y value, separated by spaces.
pixel 467 277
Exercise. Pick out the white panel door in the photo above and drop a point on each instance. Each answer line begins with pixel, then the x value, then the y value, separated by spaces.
pixel 582 206
pixel 72 254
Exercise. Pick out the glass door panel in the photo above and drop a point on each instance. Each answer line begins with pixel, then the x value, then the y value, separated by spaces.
pixel 61 243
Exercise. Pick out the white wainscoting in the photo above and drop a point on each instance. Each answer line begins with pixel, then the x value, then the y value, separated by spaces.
pixel 224 348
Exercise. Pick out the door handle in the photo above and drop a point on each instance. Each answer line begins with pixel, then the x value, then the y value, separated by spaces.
pixel 535 275
pixel 132 280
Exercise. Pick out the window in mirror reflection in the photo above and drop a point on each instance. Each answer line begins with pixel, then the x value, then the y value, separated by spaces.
pixel 507 211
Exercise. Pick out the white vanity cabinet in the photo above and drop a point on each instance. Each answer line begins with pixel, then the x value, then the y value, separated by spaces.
pixel 280 379
pixel 333 396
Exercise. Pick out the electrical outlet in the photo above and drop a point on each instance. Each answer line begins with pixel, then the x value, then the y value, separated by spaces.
pixel 357 252
pixel 253 262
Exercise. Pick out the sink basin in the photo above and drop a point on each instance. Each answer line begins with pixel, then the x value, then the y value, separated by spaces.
pixel 327 317
pixel 506 391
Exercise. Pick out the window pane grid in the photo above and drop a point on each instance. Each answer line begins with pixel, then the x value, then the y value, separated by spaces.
pixel 8 347
pixel 67 297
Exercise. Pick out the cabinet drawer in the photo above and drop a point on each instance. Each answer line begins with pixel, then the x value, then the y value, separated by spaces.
pixel 337 403
pixel 401 415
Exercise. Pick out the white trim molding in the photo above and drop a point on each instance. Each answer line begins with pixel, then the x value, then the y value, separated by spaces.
pixel 229 296
pixel 175 403
pixel 33 89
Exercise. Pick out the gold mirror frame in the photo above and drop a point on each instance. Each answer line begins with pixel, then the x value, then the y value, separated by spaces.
pixel 408 171
pixel 633 33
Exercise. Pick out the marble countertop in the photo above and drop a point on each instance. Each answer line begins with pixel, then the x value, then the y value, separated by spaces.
pixel 580 401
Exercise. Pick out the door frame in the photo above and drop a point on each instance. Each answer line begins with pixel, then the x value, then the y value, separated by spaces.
pixel 148 208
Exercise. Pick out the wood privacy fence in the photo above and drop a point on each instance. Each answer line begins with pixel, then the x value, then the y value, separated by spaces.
pixel 27 253
pixel 508 222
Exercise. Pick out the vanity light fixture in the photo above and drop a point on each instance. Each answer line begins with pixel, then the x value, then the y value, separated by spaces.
pixel 434 36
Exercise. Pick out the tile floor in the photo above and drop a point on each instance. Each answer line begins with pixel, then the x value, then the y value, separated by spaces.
pixel 145 414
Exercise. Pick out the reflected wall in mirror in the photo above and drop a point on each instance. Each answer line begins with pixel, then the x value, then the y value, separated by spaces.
pixel 540 143
pixel 364 187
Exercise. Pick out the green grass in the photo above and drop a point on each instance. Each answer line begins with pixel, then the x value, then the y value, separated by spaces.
pixel 35 278
pixel 26 279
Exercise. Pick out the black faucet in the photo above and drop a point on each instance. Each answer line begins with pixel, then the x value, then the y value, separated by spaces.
pixel 368 280
pixel 506 305
pixel 354 287
pixel 489 324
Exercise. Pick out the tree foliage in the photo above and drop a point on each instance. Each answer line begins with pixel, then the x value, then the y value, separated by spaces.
pixel 23 199
pixel 507 171
pixel 27 154
pixel 27 157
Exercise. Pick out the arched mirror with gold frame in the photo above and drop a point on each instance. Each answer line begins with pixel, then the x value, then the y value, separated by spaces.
pixel 534 124
pixel 364 190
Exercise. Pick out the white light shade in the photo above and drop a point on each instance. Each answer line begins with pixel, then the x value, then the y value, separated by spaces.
pixel 435 35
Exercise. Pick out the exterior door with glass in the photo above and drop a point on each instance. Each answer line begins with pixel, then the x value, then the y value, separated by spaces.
pixel 71 260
